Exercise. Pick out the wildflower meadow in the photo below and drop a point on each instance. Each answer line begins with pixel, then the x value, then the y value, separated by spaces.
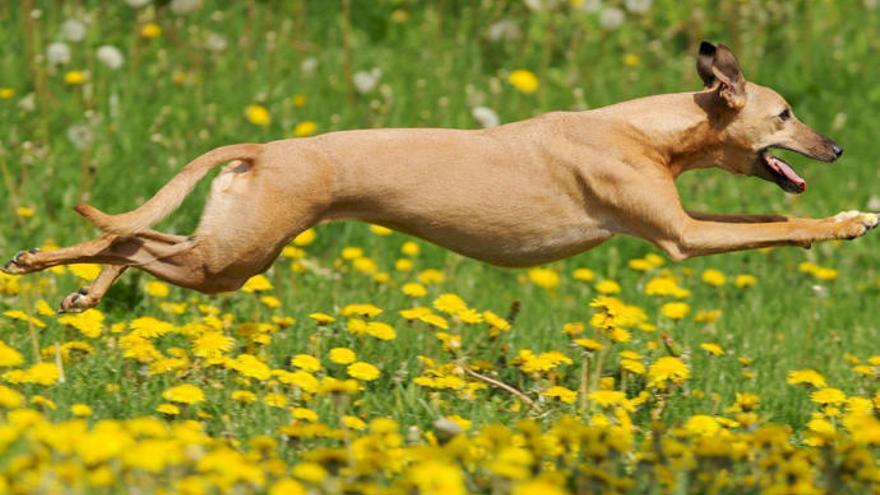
pixel 365 361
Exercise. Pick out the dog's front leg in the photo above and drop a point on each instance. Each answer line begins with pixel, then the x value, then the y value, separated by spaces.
pixel 659 218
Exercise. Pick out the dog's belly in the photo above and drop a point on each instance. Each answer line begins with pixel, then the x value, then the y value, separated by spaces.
pixel 515 251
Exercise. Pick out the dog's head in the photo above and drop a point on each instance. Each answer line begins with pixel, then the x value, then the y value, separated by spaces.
pixel 751 120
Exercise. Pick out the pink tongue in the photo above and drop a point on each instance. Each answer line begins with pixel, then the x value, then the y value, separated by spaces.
pixel 789 173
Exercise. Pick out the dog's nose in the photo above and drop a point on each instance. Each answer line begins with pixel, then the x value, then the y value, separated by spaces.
pixel 837 150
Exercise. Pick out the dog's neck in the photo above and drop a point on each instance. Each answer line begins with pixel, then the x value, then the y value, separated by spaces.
pixel 677 130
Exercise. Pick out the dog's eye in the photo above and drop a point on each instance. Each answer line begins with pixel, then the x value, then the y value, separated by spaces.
pixel 785 114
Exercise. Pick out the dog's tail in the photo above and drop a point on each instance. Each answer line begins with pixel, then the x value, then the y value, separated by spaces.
pixel 171 195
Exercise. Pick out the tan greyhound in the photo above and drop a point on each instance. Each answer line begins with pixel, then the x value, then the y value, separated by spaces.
pixel 521 194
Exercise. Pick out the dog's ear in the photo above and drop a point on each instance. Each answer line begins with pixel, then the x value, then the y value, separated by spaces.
pixel 705 59
pixel 719 68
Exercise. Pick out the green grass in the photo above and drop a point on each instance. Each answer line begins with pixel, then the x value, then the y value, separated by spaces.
pixel 820 55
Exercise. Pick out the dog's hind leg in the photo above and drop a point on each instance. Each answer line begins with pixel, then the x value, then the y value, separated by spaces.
pixel 90 295
pixel 137 249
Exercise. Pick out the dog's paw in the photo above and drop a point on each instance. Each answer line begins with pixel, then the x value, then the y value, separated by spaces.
pixel 852 224
pixel 20 263
pixel 77 302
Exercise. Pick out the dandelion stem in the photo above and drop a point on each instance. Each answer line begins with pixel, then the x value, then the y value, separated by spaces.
pixel 585 381
pixel 491 381
pixel 59 363
pixel 26 295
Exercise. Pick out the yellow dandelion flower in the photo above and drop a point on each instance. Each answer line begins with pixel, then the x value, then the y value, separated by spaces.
pixel 7 93
pixel 310 471
pixel 151 30
pixel 271 302
pixel 449 303
pixel 712 348
pixel 525 81
pixel 75 77
pixel 702 425
pixel 710 316
pixel 364 310
pixel 561 393
pixel 631 60
pixel 21 315
pixel 168 409
pixel 588 344
pixel 81 410
pixel 675 310
pixel 584 275
pixel 306 362
pixel 353 422
pixel 10 398
pixel 322 318
pixel 807 376
pixel 363 371
pixel 244 396
pixel 258 115
pixel 607 398
pixel 544 278
pixel 212 344
pixel 744 281
pixel 828 395
pixel 257 283
pixel 413 289
pixel 157 289
pixel 607 287
pixel 305 238
pixel 305 128
pixel 184 394
pixel 640 265
pixel 9 357
pixel 275 400
pixel 431 276
pixel 633 366
pixel 668 368
pixel 713 277
pixel 381 331
pixel 85 271
pixel 410 248
pixel 342 355
pixel 305 414
pixel 24 212
pixel 287 486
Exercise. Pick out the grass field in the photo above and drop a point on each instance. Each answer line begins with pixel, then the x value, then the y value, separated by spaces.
pixel 165 390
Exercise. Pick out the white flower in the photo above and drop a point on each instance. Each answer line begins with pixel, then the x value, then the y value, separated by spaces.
pixel 58 53
pixel 110 56
pixel 588 6
pixel 182 7
pixel 215 42
pixel 80 135
pixel 485 116
pixel 364 81
pixel 309 65
pixel 136 4
pixel 73 30
pixel 611 18
pixel 540 5
pixel 504 30
pixel 638 6
pixel 28 103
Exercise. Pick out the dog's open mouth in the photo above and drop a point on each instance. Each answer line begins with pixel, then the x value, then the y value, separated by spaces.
pixel 784 176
